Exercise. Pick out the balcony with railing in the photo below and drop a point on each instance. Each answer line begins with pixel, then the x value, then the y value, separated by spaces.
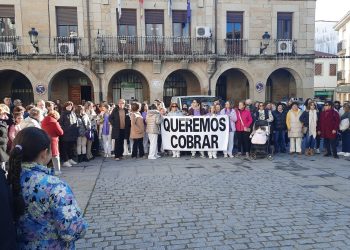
pixel 152 47
pixel 9 46
pixel 233 48
pixel 341 49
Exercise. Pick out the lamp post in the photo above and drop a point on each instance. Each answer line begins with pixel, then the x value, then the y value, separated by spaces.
pixel 33 36
pixel 265 42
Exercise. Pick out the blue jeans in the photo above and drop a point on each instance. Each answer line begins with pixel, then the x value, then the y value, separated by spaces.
pixel 310 141
pixel 280 141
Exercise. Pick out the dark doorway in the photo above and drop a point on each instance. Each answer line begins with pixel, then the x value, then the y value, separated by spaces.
pixel 221 87
pixel 86 93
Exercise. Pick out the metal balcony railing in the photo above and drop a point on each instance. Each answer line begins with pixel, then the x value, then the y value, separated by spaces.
pixel 67 46
pixel 153 47
pixel 9 46
pixel 233 48
pixel 341 46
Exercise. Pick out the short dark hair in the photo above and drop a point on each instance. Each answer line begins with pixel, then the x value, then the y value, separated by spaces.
pixel 135 106
pixel 153 107
pixel 330 103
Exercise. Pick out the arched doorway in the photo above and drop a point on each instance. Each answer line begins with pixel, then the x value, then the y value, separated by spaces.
pixel 280 86
pixel 180 83
pixel 130 85
pixel 17 86
pixel 71 85
pixel 232 85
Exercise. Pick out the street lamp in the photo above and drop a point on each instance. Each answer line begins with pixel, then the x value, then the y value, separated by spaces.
pixel 265 42
pixel 33 36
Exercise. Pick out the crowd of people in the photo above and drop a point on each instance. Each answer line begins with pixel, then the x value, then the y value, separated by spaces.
pixel 43 207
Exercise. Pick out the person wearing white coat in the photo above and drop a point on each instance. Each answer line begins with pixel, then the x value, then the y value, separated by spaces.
pixel 231 113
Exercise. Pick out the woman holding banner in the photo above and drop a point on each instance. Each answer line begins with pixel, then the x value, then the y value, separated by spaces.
pixel 153 121
pixel 244 120
pixel 174 111
pixel 212 112
pixel 231 113
pixel 196 110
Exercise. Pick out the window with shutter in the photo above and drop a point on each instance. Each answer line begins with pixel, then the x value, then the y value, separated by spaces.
pixel 7 20
pixel 127 23
pixel 284 25
pixel 318 69
pixel 332 69
pixel 154 22
pixel 67 21
pixel 181 28
pixel 234 25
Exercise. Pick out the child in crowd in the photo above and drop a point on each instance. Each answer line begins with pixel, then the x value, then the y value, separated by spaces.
pixel 212 112
pixel 16 127
pixel 105 130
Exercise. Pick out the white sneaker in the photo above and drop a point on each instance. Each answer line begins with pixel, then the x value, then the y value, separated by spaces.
pixel 215 157
pixel 225 155
pixel 230 155
pixel 317 150
pixel 72 162
pixel 342 153
pixel 178 155
pixel 174 155
pixel 346 154
pixel 152 158
pixel 203 156
pixel 67 164
pixel 158 156
pixel 209 156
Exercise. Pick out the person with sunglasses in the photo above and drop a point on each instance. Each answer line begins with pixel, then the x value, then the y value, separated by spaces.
pixel 328 128
pixel 174 111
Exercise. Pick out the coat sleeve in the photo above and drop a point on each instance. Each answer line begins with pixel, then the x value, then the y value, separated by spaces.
pixel 249 119
pixel 67 216
pixel 288 120
pixel 336 121
pixel 270 116
pixel 233 116
pixel 58 129
pixel 12 132
pixel 111 118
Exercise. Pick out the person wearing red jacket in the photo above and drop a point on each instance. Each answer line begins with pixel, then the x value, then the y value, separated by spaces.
pixel 328 128
pixel 52 127
pixel 244 120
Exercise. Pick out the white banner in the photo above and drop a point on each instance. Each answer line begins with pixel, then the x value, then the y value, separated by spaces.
pixel 195 133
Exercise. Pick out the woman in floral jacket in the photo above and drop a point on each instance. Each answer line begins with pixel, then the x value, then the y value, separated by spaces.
pixel 46 213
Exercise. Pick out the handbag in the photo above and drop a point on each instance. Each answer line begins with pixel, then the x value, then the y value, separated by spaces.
pixel 245 129
pixel 344 124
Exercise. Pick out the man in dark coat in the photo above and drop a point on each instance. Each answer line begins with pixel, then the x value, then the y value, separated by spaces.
pixel 7 227
pixel 4 112
pixel 328 128
pixel 120 121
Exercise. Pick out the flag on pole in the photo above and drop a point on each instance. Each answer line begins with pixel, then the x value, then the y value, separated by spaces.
pixel 170 7
pixel 188 11
pixel 119 8
pixel 141 7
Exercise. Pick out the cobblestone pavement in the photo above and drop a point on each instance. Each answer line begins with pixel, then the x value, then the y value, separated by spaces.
pixel 289 203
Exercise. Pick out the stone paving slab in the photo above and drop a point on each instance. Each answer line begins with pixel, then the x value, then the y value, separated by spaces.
pixel 289 203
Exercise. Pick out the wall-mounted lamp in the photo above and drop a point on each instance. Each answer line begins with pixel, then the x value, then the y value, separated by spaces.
pixel 33 36
pixel 265 42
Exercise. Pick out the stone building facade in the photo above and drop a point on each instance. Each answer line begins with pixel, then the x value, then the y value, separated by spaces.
pixel 89 50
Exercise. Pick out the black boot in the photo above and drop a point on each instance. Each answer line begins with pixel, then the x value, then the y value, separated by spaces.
pixel 85 158
pixel 80 159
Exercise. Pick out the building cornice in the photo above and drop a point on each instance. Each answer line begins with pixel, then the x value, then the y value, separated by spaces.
pixel 342 22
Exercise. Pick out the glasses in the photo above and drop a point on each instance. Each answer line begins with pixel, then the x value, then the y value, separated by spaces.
pixel 326 105
pixel 174 106
pixel 261 105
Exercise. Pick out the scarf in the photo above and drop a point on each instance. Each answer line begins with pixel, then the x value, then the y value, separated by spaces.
pixel 312 123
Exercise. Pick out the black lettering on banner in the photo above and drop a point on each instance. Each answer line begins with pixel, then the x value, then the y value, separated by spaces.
pixel 197 141
pixel 206 142
pixel 189 139
pixel 189 125
pixel 182 141
pixel 214 141
pixel 214 124
pixel 196 125
pixel 205 125
pixel 182 125
pixel 222 122
pixel 173 137
pixel 174 125
pixel 166 125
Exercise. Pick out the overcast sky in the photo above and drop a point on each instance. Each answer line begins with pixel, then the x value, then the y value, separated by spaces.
pixel 331 10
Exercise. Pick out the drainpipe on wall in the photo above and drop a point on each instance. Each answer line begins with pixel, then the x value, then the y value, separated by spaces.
pixel 90 49
pixel 215 45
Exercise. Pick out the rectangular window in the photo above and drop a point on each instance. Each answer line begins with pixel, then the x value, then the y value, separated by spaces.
pixel 234 25
pixel 284 25
pixel 332 69
pixel 181 27
pixel 67 21
pixel 127 23
pixel 318 69
pixel 154 22
pixel 7 20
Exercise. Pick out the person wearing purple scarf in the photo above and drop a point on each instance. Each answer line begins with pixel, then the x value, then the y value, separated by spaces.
pixel 106 130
